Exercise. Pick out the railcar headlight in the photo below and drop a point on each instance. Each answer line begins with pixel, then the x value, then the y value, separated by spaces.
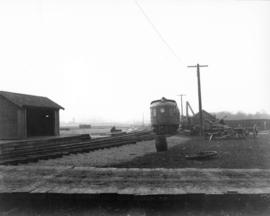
pixel 162 110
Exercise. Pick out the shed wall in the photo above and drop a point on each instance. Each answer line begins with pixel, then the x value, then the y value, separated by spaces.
pixel 56 123
pixel 13 121
pixel 8 119
pixel 21 126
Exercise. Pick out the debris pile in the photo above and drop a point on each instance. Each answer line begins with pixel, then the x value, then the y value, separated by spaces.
pixel 215 128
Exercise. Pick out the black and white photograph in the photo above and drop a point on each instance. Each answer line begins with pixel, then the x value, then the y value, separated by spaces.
pixel 134 107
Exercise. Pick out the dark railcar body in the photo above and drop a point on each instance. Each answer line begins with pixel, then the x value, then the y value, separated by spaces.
pixel 165 117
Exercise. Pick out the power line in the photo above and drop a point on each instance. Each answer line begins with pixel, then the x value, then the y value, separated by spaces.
pixel 157 31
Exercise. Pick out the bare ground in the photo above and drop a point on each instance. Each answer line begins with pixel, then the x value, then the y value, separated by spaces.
pixel 235 153
pixel 110 156
pixel 248 153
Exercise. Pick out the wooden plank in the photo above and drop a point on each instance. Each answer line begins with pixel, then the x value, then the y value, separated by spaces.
pixel 89 180
pixel 25 179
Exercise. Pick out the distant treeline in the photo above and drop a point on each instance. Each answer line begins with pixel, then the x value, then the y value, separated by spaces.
pixel 241 115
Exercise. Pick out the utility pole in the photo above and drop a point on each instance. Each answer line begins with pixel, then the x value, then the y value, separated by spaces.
pixel 199 94
pixel 181 95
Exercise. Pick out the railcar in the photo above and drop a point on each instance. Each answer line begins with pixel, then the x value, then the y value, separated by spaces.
pixel 165 116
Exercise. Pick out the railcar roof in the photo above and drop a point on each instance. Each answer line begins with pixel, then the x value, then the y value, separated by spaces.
pixel 163 100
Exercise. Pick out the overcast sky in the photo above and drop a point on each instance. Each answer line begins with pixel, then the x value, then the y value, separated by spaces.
pixel 104 60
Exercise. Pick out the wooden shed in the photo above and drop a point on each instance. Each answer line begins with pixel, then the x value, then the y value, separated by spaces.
pixel 23 116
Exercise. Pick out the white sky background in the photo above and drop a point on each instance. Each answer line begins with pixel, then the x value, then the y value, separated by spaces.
pixel 102 60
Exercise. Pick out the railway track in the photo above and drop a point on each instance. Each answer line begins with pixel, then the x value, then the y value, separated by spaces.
pixel 46 148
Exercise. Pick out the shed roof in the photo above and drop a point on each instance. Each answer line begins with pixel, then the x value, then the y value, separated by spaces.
pixel 23 100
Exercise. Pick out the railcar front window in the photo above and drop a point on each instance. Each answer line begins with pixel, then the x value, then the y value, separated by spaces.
pixel 162 110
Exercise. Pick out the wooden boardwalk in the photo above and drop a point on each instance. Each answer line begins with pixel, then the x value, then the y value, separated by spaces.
pixel 133 181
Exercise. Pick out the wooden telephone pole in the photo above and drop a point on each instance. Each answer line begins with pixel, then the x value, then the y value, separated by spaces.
pixel 199 94
pixel 181 95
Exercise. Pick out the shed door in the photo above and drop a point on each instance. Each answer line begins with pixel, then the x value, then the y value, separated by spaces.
pixel 40 122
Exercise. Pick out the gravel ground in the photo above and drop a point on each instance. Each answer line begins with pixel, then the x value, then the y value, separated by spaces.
pixel 110 156
pixel 235 153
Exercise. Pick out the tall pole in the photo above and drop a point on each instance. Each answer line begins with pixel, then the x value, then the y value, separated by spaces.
pixel 181 95
pixel 199 95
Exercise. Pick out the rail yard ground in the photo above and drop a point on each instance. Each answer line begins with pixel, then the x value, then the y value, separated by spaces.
pixel 232 153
